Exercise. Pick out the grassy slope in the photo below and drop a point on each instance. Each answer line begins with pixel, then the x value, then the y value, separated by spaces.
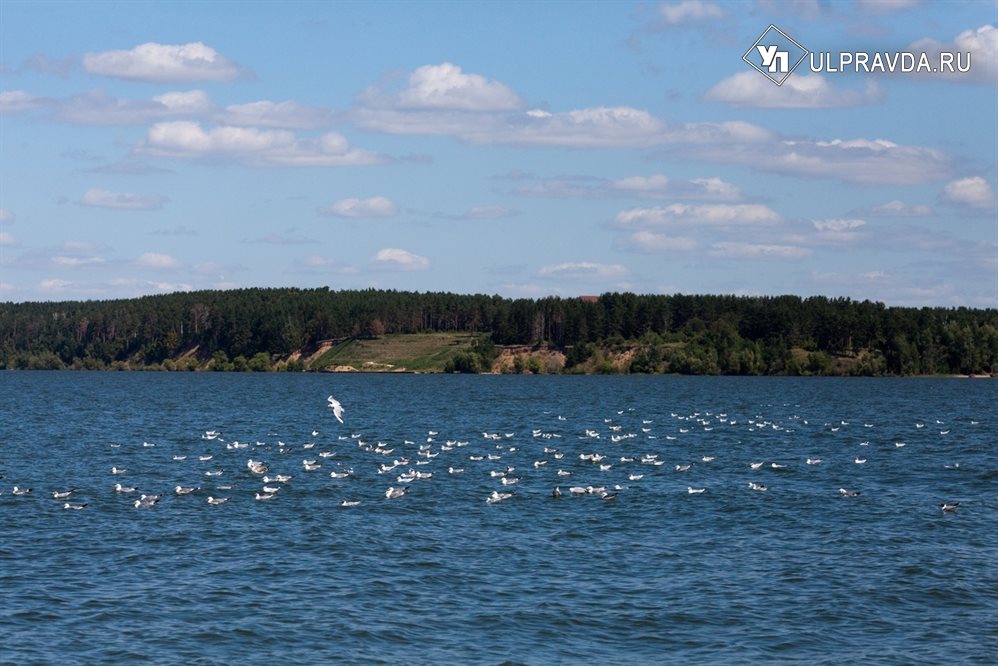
pixel 424 352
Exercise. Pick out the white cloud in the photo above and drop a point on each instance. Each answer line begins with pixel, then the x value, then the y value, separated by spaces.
pixel 372 207
pixel 885 6
pixel 6 216
pixel 837 224
pixel 698 215
pixel 854 160
pixel 488 213
pixel 163 63
pixel 596 127
pixel 801 91
pixel 122 200
pixel 974 192
pixel 54 284
pixel 317 264
pixel 981 43
pixel 649 241
pixel 583 270
pixel 251 146
pixel 75 262
pixel 287 115
pixel 391 258
pixel 16 101
pixel 7 239
pixel 689 10
pixel 155 260
pixel 837 230
pixel 739 250
pixel 96 107
pixel 446 87
pixel 898 208
pixel 656 186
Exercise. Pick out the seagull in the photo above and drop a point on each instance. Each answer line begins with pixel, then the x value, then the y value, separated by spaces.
pixel 814 461
pixel 348 503
pixel 62 494
pixel 848 493
pixel 395 493
pixel 860 461
pixel 497 496
pixel 757 486
pixel 266 496
pixel 180 458
pixel 20 491
pixel 556 493
pixel 695 491
pixel 337 408
pixel 118 470
pixel 118 488
pixel 215 501
pixel 74 507
pixel 756 465
pixel 185 490
pixel 608 496
pixel 949 507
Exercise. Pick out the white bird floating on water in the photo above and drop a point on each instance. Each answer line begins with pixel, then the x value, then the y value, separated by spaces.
pixel 185 490
pixel 949 507
pixel 348 503
pixel 215 501
pixel 695 491
pixel 74 507
pixel 337 408
pixel 848 493
pixel 497 496
pixel 395 493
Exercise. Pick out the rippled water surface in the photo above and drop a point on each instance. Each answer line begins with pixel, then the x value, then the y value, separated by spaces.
pixel 794 573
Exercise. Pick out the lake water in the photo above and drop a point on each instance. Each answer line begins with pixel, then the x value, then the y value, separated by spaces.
pixel 794 573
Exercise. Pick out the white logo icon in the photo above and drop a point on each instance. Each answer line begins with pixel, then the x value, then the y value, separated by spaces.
pixel 775 55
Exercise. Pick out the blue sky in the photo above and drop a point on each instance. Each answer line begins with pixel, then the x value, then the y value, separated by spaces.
pixel 523 149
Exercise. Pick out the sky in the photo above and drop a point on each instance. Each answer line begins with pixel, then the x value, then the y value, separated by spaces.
pixel 524 149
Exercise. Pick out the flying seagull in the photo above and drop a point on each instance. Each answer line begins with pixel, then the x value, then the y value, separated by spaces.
pixel 337 408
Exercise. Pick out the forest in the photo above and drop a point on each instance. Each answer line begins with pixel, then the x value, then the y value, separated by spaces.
pixel 274 329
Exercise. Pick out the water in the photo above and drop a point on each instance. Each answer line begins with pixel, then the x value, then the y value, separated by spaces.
pixel 792 574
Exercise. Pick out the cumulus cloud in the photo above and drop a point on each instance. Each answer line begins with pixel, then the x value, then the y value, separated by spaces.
pixel 801 91
pixel 17 101
pixel 54 285
pixel 446 87
pixel 885 6
pixel 488 213
pixel 96 107
pixel 649 241
pixel 252 146
pixel 656 186
pixel 372 207
pixel 287 115
pixel 837 230
pixel 853 160
pixel 155 260
pixel 688 11
pixel 122 200
pixel 739 250
pixel 583 270
pixel 974 192
pixel 164 63
pixel 898 208
pixel 391 258
pixel 697 215
pixel 981 43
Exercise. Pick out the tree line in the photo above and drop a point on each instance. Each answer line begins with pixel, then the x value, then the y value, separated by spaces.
pixel 691 334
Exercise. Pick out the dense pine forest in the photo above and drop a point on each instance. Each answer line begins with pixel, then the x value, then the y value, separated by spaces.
pixel 271 329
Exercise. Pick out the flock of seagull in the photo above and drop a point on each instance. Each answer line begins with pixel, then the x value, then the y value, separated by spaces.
pixel 413 461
